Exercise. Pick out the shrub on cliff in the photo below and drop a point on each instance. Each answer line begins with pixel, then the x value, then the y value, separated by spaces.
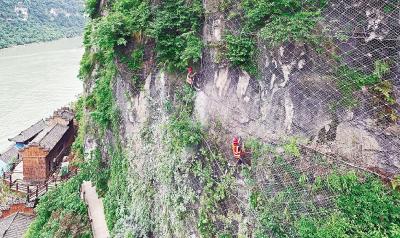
pixel 176 29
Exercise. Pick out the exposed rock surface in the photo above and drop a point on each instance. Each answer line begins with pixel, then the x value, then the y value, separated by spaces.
pixel 297 90
pixel 294 97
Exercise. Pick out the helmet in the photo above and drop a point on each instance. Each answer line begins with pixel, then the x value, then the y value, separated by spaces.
pixel 190 69
pixel 235 140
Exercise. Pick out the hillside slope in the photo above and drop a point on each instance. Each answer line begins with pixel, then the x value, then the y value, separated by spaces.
pixel 312 87
pixel 23 22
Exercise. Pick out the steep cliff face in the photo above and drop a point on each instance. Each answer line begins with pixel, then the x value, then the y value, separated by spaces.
pixel 310 109
pixel 298 88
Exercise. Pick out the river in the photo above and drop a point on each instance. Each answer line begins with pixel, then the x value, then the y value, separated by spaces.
pixel 35 80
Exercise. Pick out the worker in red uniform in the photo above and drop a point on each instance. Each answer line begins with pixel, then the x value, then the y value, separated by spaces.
pixel 191 79
pixel 238 150
pixel 190 76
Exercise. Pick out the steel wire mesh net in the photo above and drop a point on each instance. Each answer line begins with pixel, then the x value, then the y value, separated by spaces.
pixel 348 76
pixel 357 60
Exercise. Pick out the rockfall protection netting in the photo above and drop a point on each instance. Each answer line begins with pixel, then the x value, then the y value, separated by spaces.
pixel 358 57
pixel 286 186
pixel 288 189
pixel 346 81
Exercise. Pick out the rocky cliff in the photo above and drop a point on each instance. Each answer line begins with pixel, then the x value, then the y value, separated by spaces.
pixel 296 93
pixel 310 86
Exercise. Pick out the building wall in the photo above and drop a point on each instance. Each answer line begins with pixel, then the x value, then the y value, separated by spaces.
pixel 39 164
pixel 36 165
pixel 62 148
pixel 70 135
pixel 21 208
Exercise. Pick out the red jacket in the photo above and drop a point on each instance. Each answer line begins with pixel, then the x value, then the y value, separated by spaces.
pixel 237 151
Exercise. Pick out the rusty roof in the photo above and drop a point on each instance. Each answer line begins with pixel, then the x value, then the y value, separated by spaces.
pixel 9 154
pixel 15 225
pixel 50 136
pixel 30 132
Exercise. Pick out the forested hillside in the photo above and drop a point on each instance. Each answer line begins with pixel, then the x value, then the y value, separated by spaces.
pixel 24 22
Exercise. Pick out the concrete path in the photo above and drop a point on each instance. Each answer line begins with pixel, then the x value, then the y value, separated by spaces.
pixel 96 210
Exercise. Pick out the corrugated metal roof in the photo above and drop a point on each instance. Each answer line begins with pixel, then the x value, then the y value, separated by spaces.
pixel 9 154
pixel 30 132
pixel 50 136
pixel 15 225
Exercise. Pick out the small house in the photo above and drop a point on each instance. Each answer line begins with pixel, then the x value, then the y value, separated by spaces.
pixel 39 150
pixel 46 151
pixel 42 154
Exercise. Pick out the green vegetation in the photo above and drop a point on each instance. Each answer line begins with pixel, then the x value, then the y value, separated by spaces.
pixel 77 146
pixel 215 192
pixel 91 7
pixel 182 129
pixel 135 60
pixel 273 21
pixel 110 179
pixel 360 208
pixel 208 167
pixel 363 209
pixel 282 21
pixel 169 169
pixel 6 193
pixel 124 20
pixel 172 173
pixel 116 196
pixel 183 133
pixel 273 210
pixel 102 100
pixel 87 63
pixel 35 21
pixel 351 81
pixel 135 63
pixel 241 52
pixel 176 28
pixel 291 147
pixel 345 204
pixel 288 28
pixel 61 212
